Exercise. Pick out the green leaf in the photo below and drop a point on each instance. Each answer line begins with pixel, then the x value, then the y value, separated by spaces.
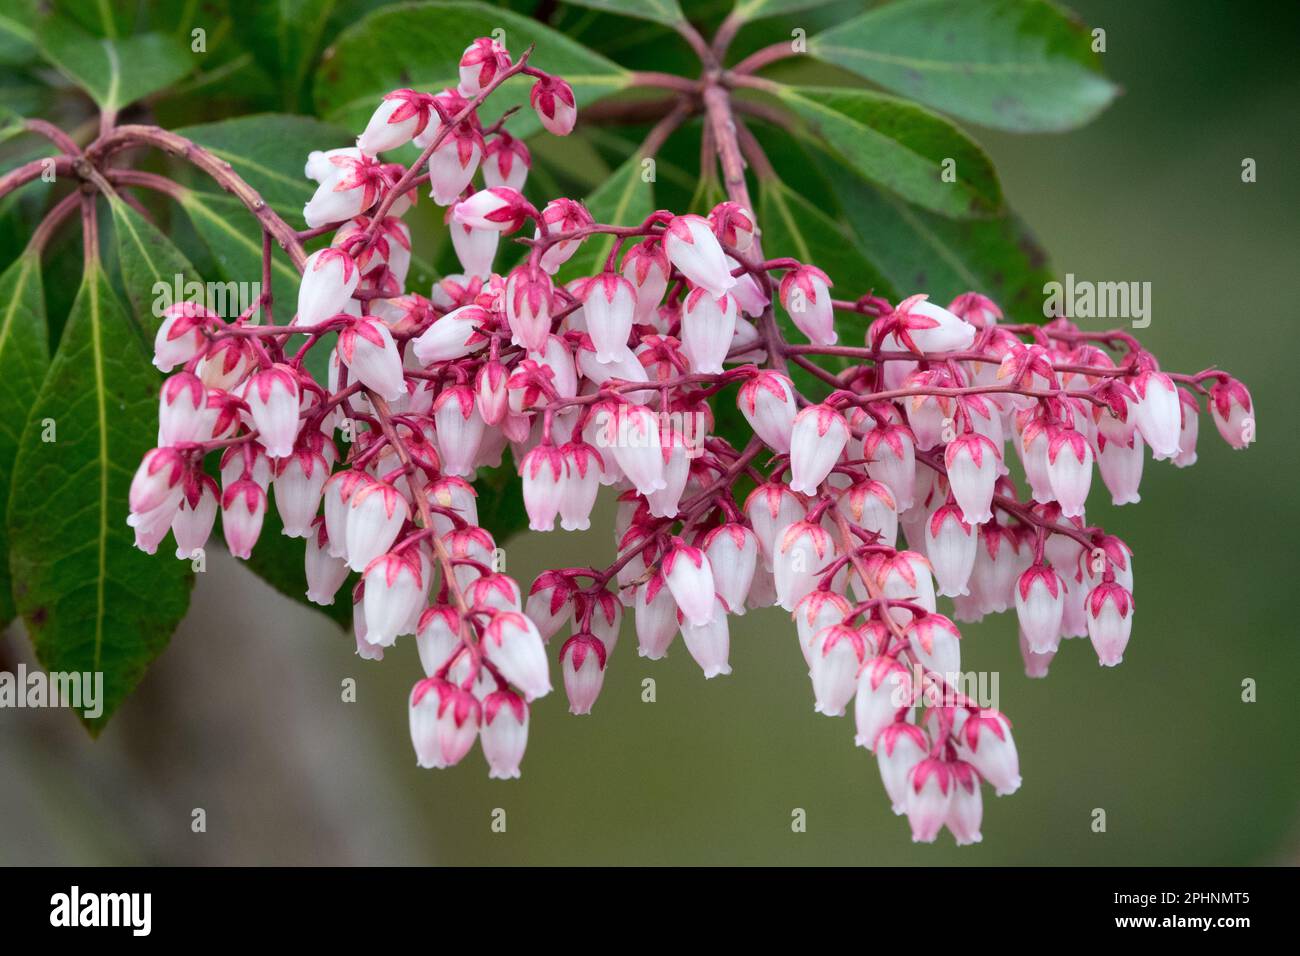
pixel 661 11
pixel 91 601
pixel 1019 65
pixel 17 41
pixel 757 9
pixel 268 151
pixel 147 258
pixel 918 251
pixel 11 124
pixel 623 199
pixel 114 72
pixel 419 45
pixel 902 146
pixel 284 38
pixel 24 358
pixel 234 238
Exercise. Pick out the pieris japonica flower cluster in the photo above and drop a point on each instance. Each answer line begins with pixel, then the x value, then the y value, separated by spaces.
pixel 868 493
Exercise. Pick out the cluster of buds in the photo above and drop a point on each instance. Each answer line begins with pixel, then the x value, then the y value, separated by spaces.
pixel 611 380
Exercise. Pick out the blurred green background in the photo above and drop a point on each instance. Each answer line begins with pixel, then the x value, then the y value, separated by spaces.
pixel 242 715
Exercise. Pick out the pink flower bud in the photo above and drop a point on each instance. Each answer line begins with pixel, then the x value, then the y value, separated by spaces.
pixel 504 734
pixel 750 298
pixel 734 225
pixel 550 603
pixel 325 572
pixel 444 722
pixel 805 295
pixel 1157 412
pixel 225 365
pixel 528 307
pixel 481 63
pixel 299 481
pixel 401 115
pixel 475 247
pixel 930 787
pixel 870 506
pixel 966 811
pixel 192 525
pixel 459 429
pixel 815 611
pixel 562 216
pixel 693 249
pixel 950 545
pixel 732 550
pixel 582 660
pixel 158 482
pixel 899 748
pixel 337 495
pixel 708 326
pixel 375 515
pixel 183 411
pixel 979 310
pixel 542 470
pixel 767 402
pixel 1033 443
pixel 927 329
pixel 506 162
pixel 514 646
pixel 884 690
pixel 579 486
pixel 1186 456
pixel 802 553
pixel 904 576
pixel 890 452
pixel 1233 412
pixel 609 304
pixel 771 508
pixel 367 348
pixel 1120 463
pixel 999 562
pixel 837 653
pixel 180 336
pixel 689 576
pixel 936 642
pixel 646 266
pixel 1109 610
pixel 499 209
pixel 816 443
pixel 656 618
pixel 350 183
pixel 709 644
pixel 1069 470
pixel 985 743
pixel 453 163
pixel 1040 600
pixel 437 635
pixel 972 461
pixel 454 335
pixel 243 506
pixel 553 101
pixel 394 591
pixel 635 443
pixel 272 396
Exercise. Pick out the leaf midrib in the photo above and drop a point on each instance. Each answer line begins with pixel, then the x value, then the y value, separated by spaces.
pixel 12 310
pixel 946 66
pixel 92 273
